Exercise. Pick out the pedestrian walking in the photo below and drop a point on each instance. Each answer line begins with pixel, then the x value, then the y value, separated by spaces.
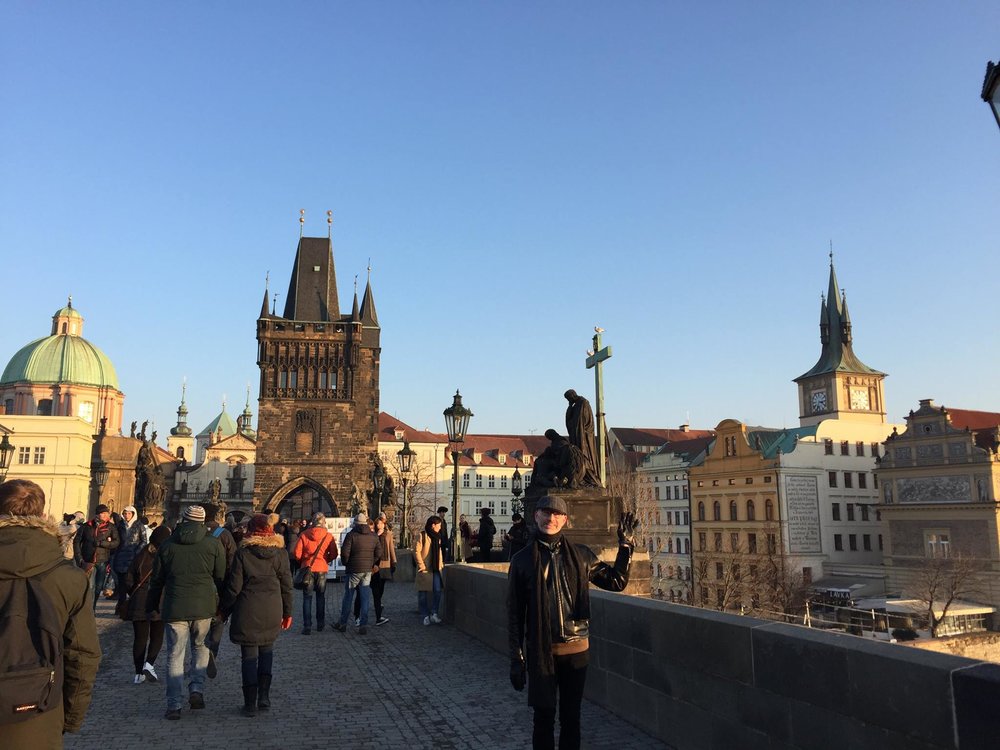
pixel 214 518
pixel 131 540
pixel 315 548
pixel 386 569
pixel 147 627
pixel 93 547
pixel 465 532
pixel 517 535
pixel 258 598
pixel 487 530
pixel 188 573
pixel 429 558
pixel 360 556
pixel 67 532
pixel 446 549
pixel 548 615
pixel 40 589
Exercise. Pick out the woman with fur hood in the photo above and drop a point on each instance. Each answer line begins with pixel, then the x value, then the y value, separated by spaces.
pixel 147 627
pixel 258 597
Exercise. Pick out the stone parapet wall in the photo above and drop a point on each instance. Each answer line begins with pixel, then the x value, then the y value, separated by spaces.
pixel 697 678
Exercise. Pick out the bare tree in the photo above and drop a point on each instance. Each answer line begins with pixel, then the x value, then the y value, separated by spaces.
pixel 622 482
pixel 721 579
pixel 776 582
pixel 412 511
pixel 941 581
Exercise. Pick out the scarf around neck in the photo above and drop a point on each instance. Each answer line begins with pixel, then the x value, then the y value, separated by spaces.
pixel 435 538
pixel 579 583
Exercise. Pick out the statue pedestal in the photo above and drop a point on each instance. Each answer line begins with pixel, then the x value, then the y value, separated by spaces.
pixel 594 522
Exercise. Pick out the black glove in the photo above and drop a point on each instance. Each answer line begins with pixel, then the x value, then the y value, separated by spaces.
pixel 392 569
pixel 626 529
pixel 518 674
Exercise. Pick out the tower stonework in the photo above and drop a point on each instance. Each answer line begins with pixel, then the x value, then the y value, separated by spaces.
pixel 319 392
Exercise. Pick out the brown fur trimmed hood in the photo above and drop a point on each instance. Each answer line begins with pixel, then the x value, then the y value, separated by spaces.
pixel 49 525
pixel 29 546
pixel 272 540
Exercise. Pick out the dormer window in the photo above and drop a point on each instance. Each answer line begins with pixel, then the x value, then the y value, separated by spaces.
pixel 502 458
pixel 399 433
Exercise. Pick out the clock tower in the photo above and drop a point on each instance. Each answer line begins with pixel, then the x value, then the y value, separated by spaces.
pixel 839 385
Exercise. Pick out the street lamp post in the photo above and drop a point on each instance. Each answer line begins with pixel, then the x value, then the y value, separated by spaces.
pixel 100 473
pixel 516 487
pixel 991 89
pixel 6 454
pixel 406 455
pixel 378 482
pixel 456 419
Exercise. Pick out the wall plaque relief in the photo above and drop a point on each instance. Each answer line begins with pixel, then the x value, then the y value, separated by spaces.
pixel 934 450
pixel 802 504
pixel 943 489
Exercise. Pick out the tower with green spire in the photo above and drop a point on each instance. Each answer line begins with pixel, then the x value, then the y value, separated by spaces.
pixel 180 442
pixel 839 385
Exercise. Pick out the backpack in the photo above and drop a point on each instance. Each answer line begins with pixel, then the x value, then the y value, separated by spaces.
pixel 31 651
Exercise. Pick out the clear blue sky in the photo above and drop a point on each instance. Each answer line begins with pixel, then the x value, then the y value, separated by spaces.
pixel 517 172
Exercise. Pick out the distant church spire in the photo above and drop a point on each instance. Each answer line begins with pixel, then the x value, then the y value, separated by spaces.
pixel 368 315
pixel 181 429
pixel 267 284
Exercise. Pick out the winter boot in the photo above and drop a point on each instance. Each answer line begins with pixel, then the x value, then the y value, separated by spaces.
pixel 263 691
pixel 249 700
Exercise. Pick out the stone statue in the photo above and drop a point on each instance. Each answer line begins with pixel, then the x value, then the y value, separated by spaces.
pixel 580 427
pixel 561 465
pixel 104 426
pixel 149 486
pixel 142 432
pixel 152 438
pixel 214 489
pixel 132 430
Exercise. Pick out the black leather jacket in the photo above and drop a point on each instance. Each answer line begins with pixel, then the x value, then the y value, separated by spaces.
pixel 568 623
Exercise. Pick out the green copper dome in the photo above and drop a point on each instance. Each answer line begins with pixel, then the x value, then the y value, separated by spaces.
pixel 61 359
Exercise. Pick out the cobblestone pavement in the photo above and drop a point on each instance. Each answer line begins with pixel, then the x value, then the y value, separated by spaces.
pixel 403 685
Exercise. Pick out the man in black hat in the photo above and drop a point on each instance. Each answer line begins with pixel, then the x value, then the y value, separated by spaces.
pixel 548 615
pixel 93 546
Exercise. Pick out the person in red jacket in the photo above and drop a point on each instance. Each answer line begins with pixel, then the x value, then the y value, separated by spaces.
pixel 316 548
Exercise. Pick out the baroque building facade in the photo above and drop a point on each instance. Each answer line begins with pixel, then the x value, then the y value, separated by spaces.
pixel 319 392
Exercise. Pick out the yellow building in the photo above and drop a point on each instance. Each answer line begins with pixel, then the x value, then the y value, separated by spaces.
pixel 55 453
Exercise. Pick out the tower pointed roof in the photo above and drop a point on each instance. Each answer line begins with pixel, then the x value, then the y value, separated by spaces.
pixel 223 421
pixel 312 289
pixel 368 315
pixel 264 312
pixel 355 314
pixel 837 354
pixel 181 428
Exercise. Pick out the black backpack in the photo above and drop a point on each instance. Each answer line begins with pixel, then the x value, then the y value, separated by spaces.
pixel 31 645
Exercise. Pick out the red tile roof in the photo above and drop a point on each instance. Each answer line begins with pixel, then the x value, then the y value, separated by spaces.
pixel 654 436
pixel 973 420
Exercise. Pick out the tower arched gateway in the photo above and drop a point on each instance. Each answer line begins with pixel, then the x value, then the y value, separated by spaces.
pixel 299 499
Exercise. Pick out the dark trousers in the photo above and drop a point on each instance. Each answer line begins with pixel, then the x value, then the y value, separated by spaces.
pixel 257 661
pixel 215 633
pixel 484 549
pixel 571 675
pixel 146 642
pixel 315 586
pixel 378 588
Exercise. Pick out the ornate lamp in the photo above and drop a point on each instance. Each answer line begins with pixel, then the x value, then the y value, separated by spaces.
pixel 516 488
pixel 456 420
pixel 378 482
pixel 991 89
pixel 405 455
pixel 6 454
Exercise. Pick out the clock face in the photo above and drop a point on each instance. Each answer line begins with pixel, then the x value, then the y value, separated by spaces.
pixel 859 399
pixel 819 401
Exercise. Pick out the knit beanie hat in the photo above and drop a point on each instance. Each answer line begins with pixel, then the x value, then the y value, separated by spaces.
pixel 194 513
pixel 260 526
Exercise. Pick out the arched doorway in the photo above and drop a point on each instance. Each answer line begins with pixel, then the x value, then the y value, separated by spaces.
pixel 302 502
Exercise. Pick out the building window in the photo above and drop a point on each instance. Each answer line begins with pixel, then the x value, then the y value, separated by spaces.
pixel 491 482
pixel 656 491
pixel 701 511
pixel 845 448
pixel 732 511
pixel 836 511
pixel 670 546
pixel 859 448
pixel 45 407
pixel 767 479
pixel 847 480
pixel 677 492
pixel 772 544
pixel 864 512
pixel 807 576
pixel 875 450
pixel 684 490
pixel 715 482
pixel 479 481
pixel 39 456
pixel 701 483
pixel 716 511
pixel 718 571
pixel 828 447
pixel 701 541
pixel 850 511
pixel 503 482
pixel 832 478
pixel 751 511
pixel 749 480
pixel 838 542
pixel 852 541
pixel 768 510
pixel 717 541
pixel 937 543
pixel 734 541
pixel 465 480
pixel 23 455
pixel 879 542
pixel 493 506
pixel 86 411
pixel 752 544
pixel 687 519
pixel 866 542
pixel 479 505
pixel 720 597
pixel 862 480
pixel 503 507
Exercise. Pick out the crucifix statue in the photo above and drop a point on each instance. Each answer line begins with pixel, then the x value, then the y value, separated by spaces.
pixel 595 360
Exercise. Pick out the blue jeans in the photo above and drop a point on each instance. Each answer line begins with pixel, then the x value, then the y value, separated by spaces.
pixel 315 582
pixel 422 597
pixel 98 579
pixel 353 581
pixel 179 633
pixel 257 661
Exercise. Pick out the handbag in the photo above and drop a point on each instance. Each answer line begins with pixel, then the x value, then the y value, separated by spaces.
pixel 121 608
pixel 304 573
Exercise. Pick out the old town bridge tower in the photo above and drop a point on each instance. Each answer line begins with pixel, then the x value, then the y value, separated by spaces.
pixel 319 392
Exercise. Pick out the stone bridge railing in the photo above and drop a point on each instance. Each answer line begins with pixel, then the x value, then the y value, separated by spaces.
pixel 696 678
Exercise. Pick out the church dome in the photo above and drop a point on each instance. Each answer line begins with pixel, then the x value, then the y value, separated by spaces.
pixel 63 357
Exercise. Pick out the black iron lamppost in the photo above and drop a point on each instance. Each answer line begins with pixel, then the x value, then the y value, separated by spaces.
pixel 406 455
pixel 100 473
pixel 516 487
pixel 378 482
pixel 991 89
pixel 456 420
pixel 6 454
